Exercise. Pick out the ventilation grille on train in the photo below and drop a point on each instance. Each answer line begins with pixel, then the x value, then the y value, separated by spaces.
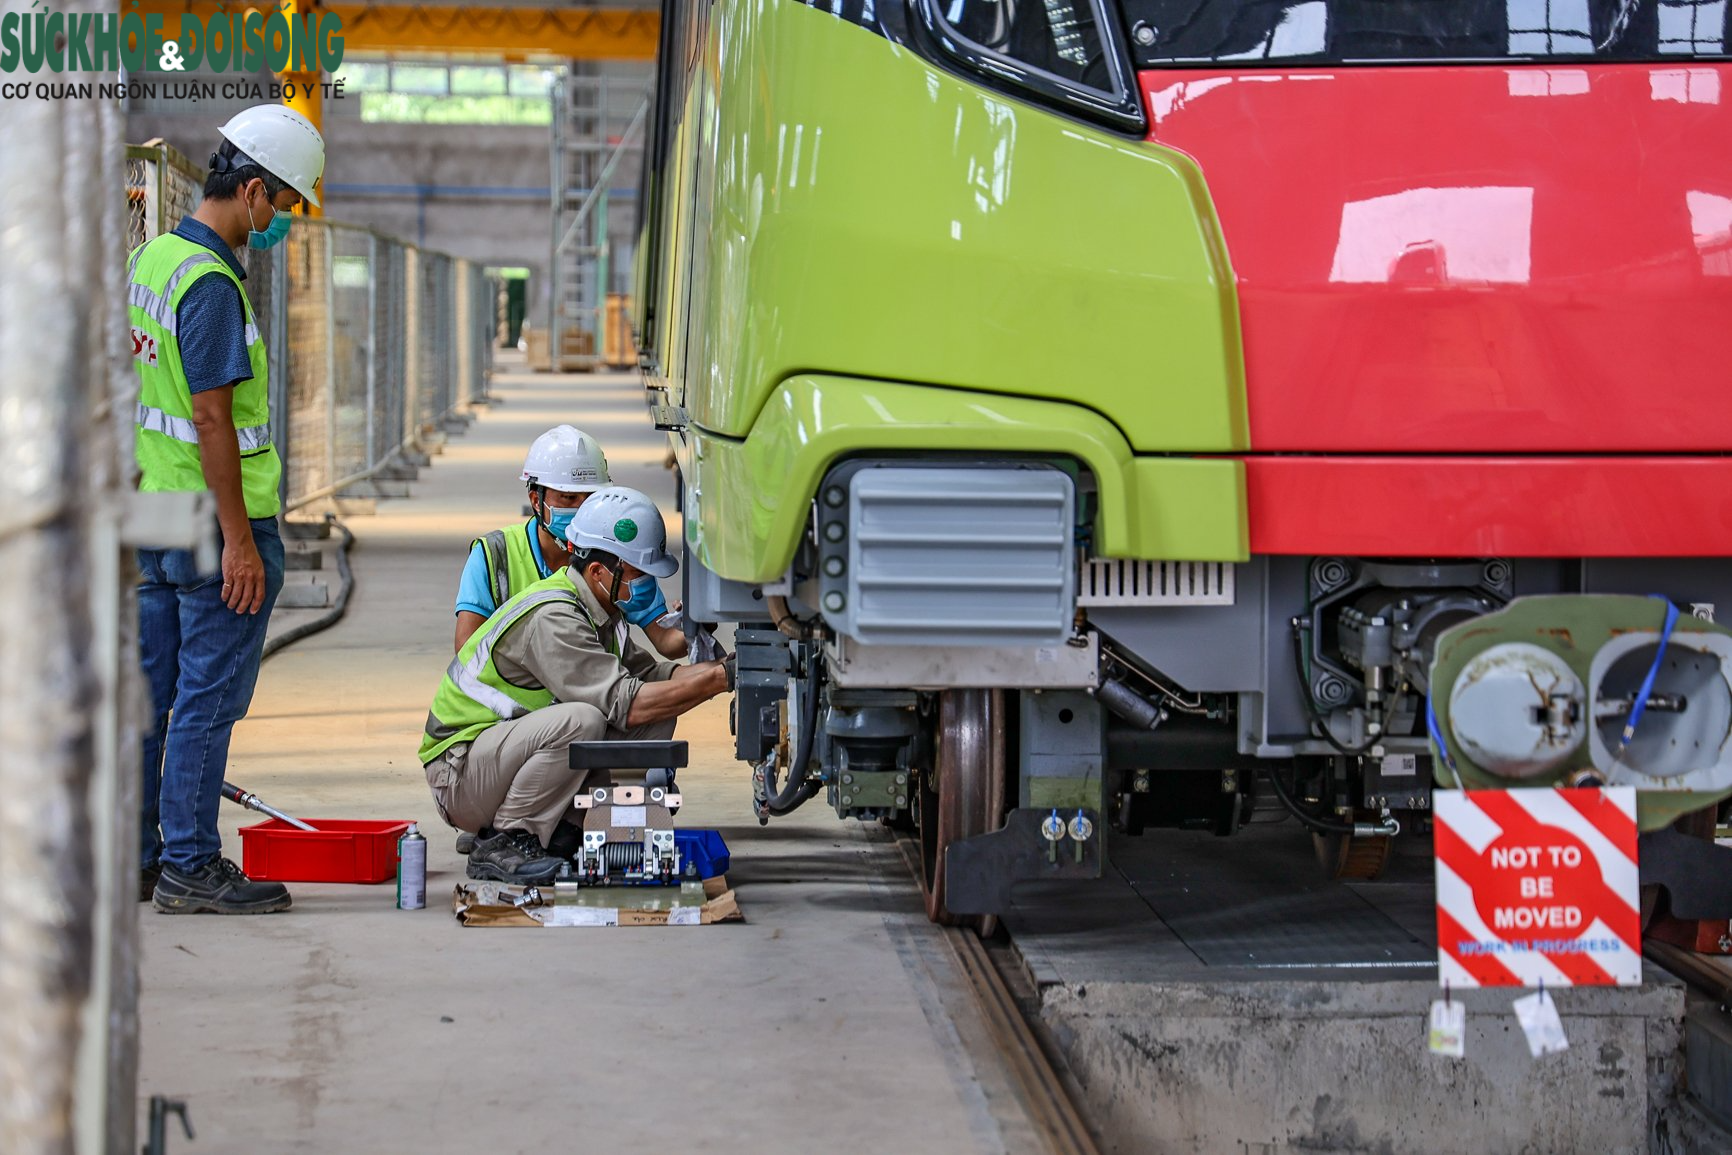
pixel 951 555
pixel 1118 582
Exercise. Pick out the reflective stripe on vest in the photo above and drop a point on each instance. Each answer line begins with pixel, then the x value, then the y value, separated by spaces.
pixel 466 676
pixel 472 691
pixel 511 560
pixel 154 306
pixel 498 565
pixel 182 428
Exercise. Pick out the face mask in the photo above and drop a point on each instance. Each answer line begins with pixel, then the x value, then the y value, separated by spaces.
pixel 558 520
pixel 273 232
pixel 645 604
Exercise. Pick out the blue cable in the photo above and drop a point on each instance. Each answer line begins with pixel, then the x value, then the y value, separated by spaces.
pixel 1636 710
pixel 1436 733
pixel 1641 703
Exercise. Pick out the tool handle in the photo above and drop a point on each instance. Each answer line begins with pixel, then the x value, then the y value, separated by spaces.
pixel 253 802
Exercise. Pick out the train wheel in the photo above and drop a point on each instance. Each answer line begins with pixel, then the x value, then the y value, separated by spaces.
pixel 964 794
pixel 1348 856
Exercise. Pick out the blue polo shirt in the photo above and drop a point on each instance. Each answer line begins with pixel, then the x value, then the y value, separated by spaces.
pixel 211 321
pixel 474 593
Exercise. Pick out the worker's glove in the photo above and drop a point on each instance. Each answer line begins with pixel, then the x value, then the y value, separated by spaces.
pixel 727 667
pixel 646 604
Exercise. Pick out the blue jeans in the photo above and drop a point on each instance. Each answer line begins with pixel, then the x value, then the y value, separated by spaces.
pixel 201 660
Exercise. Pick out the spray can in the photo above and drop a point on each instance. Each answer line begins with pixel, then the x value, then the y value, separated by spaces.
pixel 412 869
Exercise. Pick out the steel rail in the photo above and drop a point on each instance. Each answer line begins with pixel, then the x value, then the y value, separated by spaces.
pixel 1043 1091
pixel 1696 970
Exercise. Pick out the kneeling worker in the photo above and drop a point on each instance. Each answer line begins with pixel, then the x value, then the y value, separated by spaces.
pixel 552 666
pixel 564 466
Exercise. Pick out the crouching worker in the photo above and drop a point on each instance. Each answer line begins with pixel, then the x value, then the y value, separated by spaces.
pixel 564 467
pixel 555 665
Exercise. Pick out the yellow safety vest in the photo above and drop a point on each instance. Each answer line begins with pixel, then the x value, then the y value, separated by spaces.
pixel 473 695
pixel 159 273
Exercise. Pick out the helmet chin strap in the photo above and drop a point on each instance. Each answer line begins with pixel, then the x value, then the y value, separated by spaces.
pixel 613 587
pixel 538 506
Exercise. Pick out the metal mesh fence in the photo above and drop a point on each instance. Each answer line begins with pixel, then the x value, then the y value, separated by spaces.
pixel 161 186
pixel 310 369
pixel 373 342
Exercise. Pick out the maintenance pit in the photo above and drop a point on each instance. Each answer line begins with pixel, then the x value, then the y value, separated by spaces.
pixel 1218 995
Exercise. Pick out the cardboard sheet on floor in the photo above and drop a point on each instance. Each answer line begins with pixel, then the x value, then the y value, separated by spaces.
pixel 489 904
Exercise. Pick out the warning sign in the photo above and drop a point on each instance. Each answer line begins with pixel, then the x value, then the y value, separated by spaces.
pixel 1538 887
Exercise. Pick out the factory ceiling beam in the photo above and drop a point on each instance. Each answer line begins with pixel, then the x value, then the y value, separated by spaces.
pixel 513 33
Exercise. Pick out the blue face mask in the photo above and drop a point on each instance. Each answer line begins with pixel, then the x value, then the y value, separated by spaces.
pixel 558 520
pixel 273 232
pixel 646 604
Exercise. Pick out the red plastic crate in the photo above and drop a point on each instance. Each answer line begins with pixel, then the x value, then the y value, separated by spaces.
pixel 340 850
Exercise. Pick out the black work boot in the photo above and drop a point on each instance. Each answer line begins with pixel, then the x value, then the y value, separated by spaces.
pixel 217 887
pixel 566 840
pixel 514 856
pixel 465 842
pixel 147 876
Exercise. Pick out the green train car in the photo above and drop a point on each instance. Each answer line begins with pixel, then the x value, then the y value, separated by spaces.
pixel 1103 413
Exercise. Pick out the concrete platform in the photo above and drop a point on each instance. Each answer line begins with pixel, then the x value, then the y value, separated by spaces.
pixel 832 1019
pixel 1217 995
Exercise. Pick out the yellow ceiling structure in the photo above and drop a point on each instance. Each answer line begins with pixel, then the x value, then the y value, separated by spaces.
pixel 512 32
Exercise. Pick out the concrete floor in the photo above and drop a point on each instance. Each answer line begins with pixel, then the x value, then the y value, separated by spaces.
pixel 1216 994
pixel 830 1020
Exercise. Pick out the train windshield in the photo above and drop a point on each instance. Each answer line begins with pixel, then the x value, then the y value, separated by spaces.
pixel 1241 32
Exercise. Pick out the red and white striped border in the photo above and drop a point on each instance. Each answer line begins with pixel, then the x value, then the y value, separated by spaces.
pixel 1470 954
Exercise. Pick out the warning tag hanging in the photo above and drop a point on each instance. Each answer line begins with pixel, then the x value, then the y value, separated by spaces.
pixel 1537 888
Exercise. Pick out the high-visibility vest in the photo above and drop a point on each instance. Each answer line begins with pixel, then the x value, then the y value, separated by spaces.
pixel 159 273
pixel 473 696
pixel 510 560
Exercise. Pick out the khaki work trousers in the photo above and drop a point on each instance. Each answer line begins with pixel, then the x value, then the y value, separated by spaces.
pixel 518 774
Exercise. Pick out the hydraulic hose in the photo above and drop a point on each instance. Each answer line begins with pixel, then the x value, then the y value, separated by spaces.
pixel 1311 709
pixel 787 797
pixel 1388 826
pixel 331 616
pixel 783 618
pixel 1322 826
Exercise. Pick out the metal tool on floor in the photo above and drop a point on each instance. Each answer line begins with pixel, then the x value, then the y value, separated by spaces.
pixel 161 1108
pixel 253 802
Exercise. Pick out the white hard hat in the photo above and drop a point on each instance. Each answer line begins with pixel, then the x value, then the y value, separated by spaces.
pixel 283 143
pixel 628 525
pixel 568 460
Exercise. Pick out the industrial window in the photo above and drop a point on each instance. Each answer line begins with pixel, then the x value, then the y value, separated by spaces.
pixel 448 92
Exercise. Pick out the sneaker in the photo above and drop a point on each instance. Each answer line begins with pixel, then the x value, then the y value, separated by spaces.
pixel 465 842
pixel 217 887
pixel 514 856
pixel 147 876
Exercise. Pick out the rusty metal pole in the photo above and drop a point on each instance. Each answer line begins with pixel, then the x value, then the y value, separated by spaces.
pixel 68 945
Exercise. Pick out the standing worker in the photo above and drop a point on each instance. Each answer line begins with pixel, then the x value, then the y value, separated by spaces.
pixel 555 665
pixel 564 466
pixel 203 422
